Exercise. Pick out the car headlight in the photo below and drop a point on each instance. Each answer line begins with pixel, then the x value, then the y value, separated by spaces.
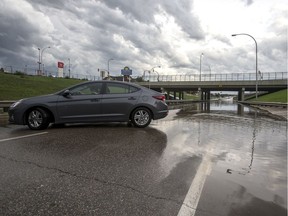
pixel 16 104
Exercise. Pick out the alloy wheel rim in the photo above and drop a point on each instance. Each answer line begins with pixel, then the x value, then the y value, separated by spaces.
pixel 141 117
pixel 35 118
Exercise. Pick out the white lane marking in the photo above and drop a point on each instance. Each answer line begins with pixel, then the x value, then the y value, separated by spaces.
pixel 21 137
pixel 191 200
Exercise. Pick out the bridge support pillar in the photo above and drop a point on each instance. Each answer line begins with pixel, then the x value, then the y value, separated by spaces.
pixel 200 94
pixel 207 95
pixel 204 95
pixel 181 95
pixel 241 94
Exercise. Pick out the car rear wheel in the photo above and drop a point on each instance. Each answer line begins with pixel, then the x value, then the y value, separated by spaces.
pixel 141 117
pixel 37 119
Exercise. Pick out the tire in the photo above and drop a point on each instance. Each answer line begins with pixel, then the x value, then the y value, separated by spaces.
pixel 141 117
pixel 37 119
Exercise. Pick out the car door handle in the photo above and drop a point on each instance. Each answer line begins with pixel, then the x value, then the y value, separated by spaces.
pixel 131 98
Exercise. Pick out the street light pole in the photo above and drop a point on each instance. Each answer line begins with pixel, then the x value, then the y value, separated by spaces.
pixel 256 87
pixel 157 75
pixel 41 57
pixel 201 64
pixel 39 62
pixel 69 67
pixel 108 66
pixel 155 71
pixel 149 78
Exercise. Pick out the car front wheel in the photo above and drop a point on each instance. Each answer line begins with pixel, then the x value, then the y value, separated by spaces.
pixel 38 119
pixel 141 117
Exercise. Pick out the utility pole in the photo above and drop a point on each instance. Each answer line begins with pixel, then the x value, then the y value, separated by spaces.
pixel 69 67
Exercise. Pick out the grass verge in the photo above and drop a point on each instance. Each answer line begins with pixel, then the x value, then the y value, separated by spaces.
pixel 279 96
pixel 14 87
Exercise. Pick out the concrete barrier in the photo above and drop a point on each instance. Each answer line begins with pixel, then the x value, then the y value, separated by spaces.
pixel 259 103
pixel 274 108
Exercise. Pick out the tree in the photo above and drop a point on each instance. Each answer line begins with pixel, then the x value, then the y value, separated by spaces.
pixel 139 79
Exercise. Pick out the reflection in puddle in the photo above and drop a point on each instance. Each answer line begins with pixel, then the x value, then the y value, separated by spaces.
pixel 248 149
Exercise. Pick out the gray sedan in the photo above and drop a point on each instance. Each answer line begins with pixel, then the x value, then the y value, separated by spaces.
pixel 96 101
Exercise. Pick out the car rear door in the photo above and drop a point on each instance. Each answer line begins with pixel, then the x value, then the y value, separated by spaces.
pixel 118 100
pixel 82 104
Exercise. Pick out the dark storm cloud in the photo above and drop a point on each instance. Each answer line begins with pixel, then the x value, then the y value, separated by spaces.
pixel 182 12
pixel 112 25
pixel 144 11
pixel 17 33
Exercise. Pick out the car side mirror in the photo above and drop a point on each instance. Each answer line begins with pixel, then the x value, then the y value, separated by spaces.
pixel 66 93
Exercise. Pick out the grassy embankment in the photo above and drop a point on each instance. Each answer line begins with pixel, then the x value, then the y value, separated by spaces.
pixel 14 87
pixel 279 96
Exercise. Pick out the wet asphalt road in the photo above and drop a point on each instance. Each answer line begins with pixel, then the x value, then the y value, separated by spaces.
pixel 190 163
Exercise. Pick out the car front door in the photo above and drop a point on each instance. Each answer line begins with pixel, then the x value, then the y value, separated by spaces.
pixel 81 103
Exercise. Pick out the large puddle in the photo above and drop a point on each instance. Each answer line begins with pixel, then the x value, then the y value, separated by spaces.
pixel 247 149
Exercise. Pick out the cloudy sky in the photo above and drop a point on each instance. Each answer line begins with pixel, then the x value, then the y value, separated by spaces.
pixel 142 34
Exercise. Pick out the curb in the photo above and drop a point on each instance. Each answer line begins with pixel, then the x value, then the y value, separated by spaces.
pixel 274 109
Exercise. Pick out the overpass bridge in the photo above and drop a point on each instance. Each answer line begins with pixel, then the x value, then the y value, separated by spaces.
pixel 268 82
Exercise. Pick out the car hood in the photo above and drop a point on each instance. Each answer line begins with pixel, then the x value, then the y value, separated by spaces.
pixel 41 99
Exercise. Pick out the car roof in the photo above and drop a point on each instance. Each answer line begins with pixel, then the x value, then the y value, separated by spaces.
pixel 114 81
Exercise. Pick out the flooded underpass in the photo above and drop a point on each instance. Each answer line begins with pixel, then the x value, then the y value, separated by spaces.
pixel 243 151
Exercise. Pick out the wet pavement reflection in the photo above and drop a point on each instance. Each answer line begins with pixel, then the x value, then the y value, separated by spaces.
pixel 248 152
pixel 203 159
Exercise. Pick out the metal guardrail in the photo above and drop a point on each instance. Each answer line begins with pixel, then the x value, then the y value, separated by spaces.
pixel 173 102
pixel 4 105
pixel 258 103
pixel 217 77
pixel 162 77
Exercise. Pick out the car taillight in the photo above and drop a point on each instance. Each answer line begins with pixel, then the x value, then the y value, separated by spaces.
pixel 160 97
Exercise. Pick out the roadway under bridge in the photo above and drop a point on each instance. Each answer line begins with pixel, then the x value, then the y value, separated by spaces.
pixel 205 87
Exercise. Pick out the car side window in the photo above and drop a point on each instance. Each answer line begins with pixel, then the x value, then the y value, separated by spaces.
pixel 118 88
pixel 87 89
